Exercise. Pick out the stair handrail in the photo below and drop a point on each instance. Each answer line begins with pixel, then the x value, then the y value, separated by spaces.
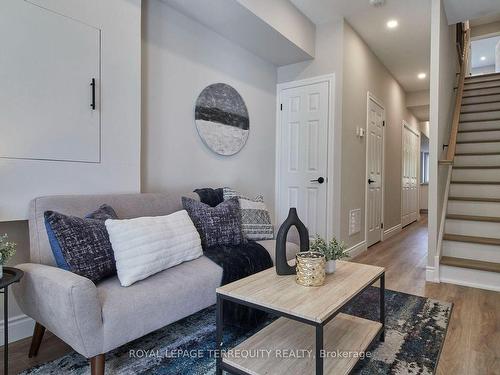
pixel 464 68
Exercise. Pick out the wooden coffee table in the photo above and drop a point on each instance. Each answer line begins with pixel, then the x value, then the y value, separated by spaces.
pixel 311 331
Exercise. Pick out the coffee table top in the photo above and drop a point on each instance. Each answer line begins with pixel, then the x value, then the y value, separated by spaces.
pixel 316 304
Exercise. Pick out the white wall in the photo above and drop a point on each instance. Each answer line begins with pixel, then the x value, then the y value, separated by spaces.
pixel 328 60
pixel 119 170
pixel 483 70
pixel 442 78
pixel 180 58
pixel 363 72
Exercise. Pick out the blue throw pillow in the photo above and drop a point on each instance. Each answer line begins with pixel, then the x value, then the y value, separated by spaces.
pixel 82 246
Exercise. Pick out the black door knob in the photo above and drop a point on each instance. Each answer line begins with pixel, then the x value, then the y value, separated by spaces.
pixel 319 180
pixel 370 181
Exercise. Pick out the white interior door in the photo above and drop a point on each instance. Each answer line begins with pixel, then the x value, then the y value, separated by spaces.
pixel 409 205
pixel 374 175
pixel 47 65
pixel 303 154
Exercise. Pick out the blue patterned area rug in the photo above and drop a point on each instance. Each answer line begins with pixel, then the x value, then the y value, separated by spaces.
pixel 415 332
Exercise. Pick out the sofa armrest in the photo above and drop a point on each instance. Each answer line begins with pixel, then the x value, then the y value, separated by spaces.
pixel 65 303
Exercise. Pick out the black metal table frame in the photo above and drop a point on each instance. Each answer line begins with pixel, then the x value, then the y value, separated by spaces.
pixel 220 365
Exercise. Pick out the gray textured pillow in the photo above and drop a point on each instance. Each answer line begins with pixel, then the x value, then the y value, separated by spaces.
pixel 220 225
pixel 84 243
pixel 255 218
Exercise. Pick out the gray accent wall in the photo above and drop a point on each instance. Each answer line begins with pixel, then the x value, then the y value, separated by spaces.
pixel 180 57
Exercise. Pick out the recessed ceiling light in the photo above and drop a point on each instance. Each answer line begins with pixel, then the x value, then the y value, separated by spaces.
pixel 483 58
pixel 421 75
pixel 391 24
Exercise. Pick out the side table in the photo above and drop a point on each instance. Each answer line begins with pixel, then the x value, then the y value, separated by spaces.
pixel 10 275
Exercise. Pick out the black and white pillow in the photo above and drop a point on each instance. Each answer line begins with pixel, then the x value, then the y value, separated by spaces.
pixel 220 225
pixel 255 218
pixel 82 245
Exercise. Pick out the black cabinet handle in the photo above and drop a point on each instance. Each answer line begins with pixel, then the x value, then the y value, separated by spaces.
pixel 92 85
pixel 370 181
pixel 320 180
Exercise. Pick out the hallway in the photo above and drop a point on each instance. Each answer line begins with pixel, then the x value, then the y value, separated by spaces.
pixel 472 343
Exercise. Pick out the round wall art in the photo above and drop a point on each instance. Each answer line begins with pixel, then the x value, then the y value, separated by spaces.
pixel 222 119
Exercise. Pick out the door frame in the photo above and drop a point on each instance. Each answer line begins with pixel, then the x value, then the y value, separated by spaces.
pixel 331 176
pixel 370 96
pixel 417 132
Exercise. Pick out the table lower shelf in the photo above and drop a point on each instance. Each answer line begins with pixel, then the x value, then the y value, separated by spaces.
pixel 266 351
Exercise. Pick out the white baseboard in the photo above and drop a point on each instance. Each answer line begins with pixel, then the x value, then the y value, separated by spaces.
pixel 20 327
pixel 357 249
pixel 388 233
pixel 431 274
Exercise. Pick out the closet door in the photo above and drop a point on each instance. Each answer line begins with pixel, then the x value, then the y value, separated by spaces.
pixel 49 109
pixel 409 206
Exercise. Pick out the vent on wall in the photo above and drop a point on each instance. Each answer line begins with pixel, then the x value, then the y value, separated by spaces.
pixel 354 221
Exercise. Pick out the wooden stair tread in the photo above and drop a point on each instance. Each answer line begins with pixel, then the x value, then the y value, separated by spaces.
pixel 479 130
pixel 475 199
pixel 480 95
pixel 471 239
pixel 476 153
pixel 485 102
pixel 480 111
pixel 471 263
pixel 481 141
pixel 476 167
pixel 470 82
pixel 490 219
pixel 476 182
pixel 482 75
pixel 486 120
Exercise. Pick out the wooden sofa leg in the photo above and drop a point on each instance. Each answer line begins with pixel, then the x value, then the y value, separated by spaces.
pixel 36 340
pixel 97 365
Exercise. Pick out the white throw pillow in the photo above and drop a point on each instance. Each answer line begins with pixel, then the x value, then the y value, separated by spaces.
pixel 147 245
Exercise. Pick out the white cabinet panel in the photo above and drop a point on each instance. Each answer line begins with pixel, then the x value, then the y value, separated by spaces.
pixel 47 63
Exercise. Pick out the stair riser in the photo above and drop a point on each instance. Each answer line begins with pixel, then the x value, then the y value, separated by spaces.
pixel 480 99
pixel 481 107
pixel 487 253
pixel 477 160
pixel 474 208
pixel 487 125
pixel 480 116
pixel 475 191
pixel 478 147
pixel 481 85
pixel 468 277
pixel 485 91
pixel 472 228
pixel 478 136
pixel 476 175
pixel 482 77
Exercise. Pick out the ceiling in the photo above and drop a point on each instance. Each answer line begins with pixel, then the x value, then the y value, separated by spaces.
pixel 463 10
pixel 484 48
pixel 405 51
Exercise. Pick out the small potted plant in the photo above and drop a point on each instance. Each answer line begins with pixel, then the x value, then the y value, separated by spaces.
pixel 7 250
pixel 333 250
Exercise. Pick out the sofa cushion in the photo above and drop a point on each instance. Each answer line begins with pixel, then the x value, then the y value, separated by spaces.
pixel 220 225
pixel 270 245
pixel 255 218
pixel 146 245
pixel 83 243
pixel 152 303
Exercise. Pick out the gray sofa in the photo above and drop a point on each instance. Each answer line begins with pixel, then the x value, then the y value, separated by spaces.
pixel 94 319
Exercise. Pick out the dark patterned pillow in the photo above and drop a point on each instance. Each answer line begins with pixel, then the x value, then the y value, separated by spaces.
pixel 220 225
pixel 83 243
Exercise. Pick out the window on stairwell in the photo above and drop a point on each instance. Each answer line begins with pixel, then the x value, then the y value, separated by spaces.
pixel 424 167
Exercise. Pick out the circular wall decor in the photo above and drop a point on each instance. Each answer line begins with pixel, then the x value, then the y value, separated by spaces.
pixel 222 119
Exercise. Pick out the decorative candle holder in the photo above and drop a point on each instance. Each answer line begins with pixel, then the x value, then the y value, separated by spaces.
pixel 310 268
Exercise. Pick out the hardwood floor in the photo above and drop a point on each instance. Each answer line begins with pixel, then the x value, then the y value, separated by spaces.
pixel 472 343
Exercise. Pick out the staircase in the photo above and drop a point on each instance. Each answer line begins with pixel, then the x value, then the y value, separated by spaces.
pixel 471 240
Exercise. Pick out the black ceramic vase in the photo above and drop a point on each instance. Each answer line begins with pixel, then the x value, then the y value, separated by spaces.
pixel 282 266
